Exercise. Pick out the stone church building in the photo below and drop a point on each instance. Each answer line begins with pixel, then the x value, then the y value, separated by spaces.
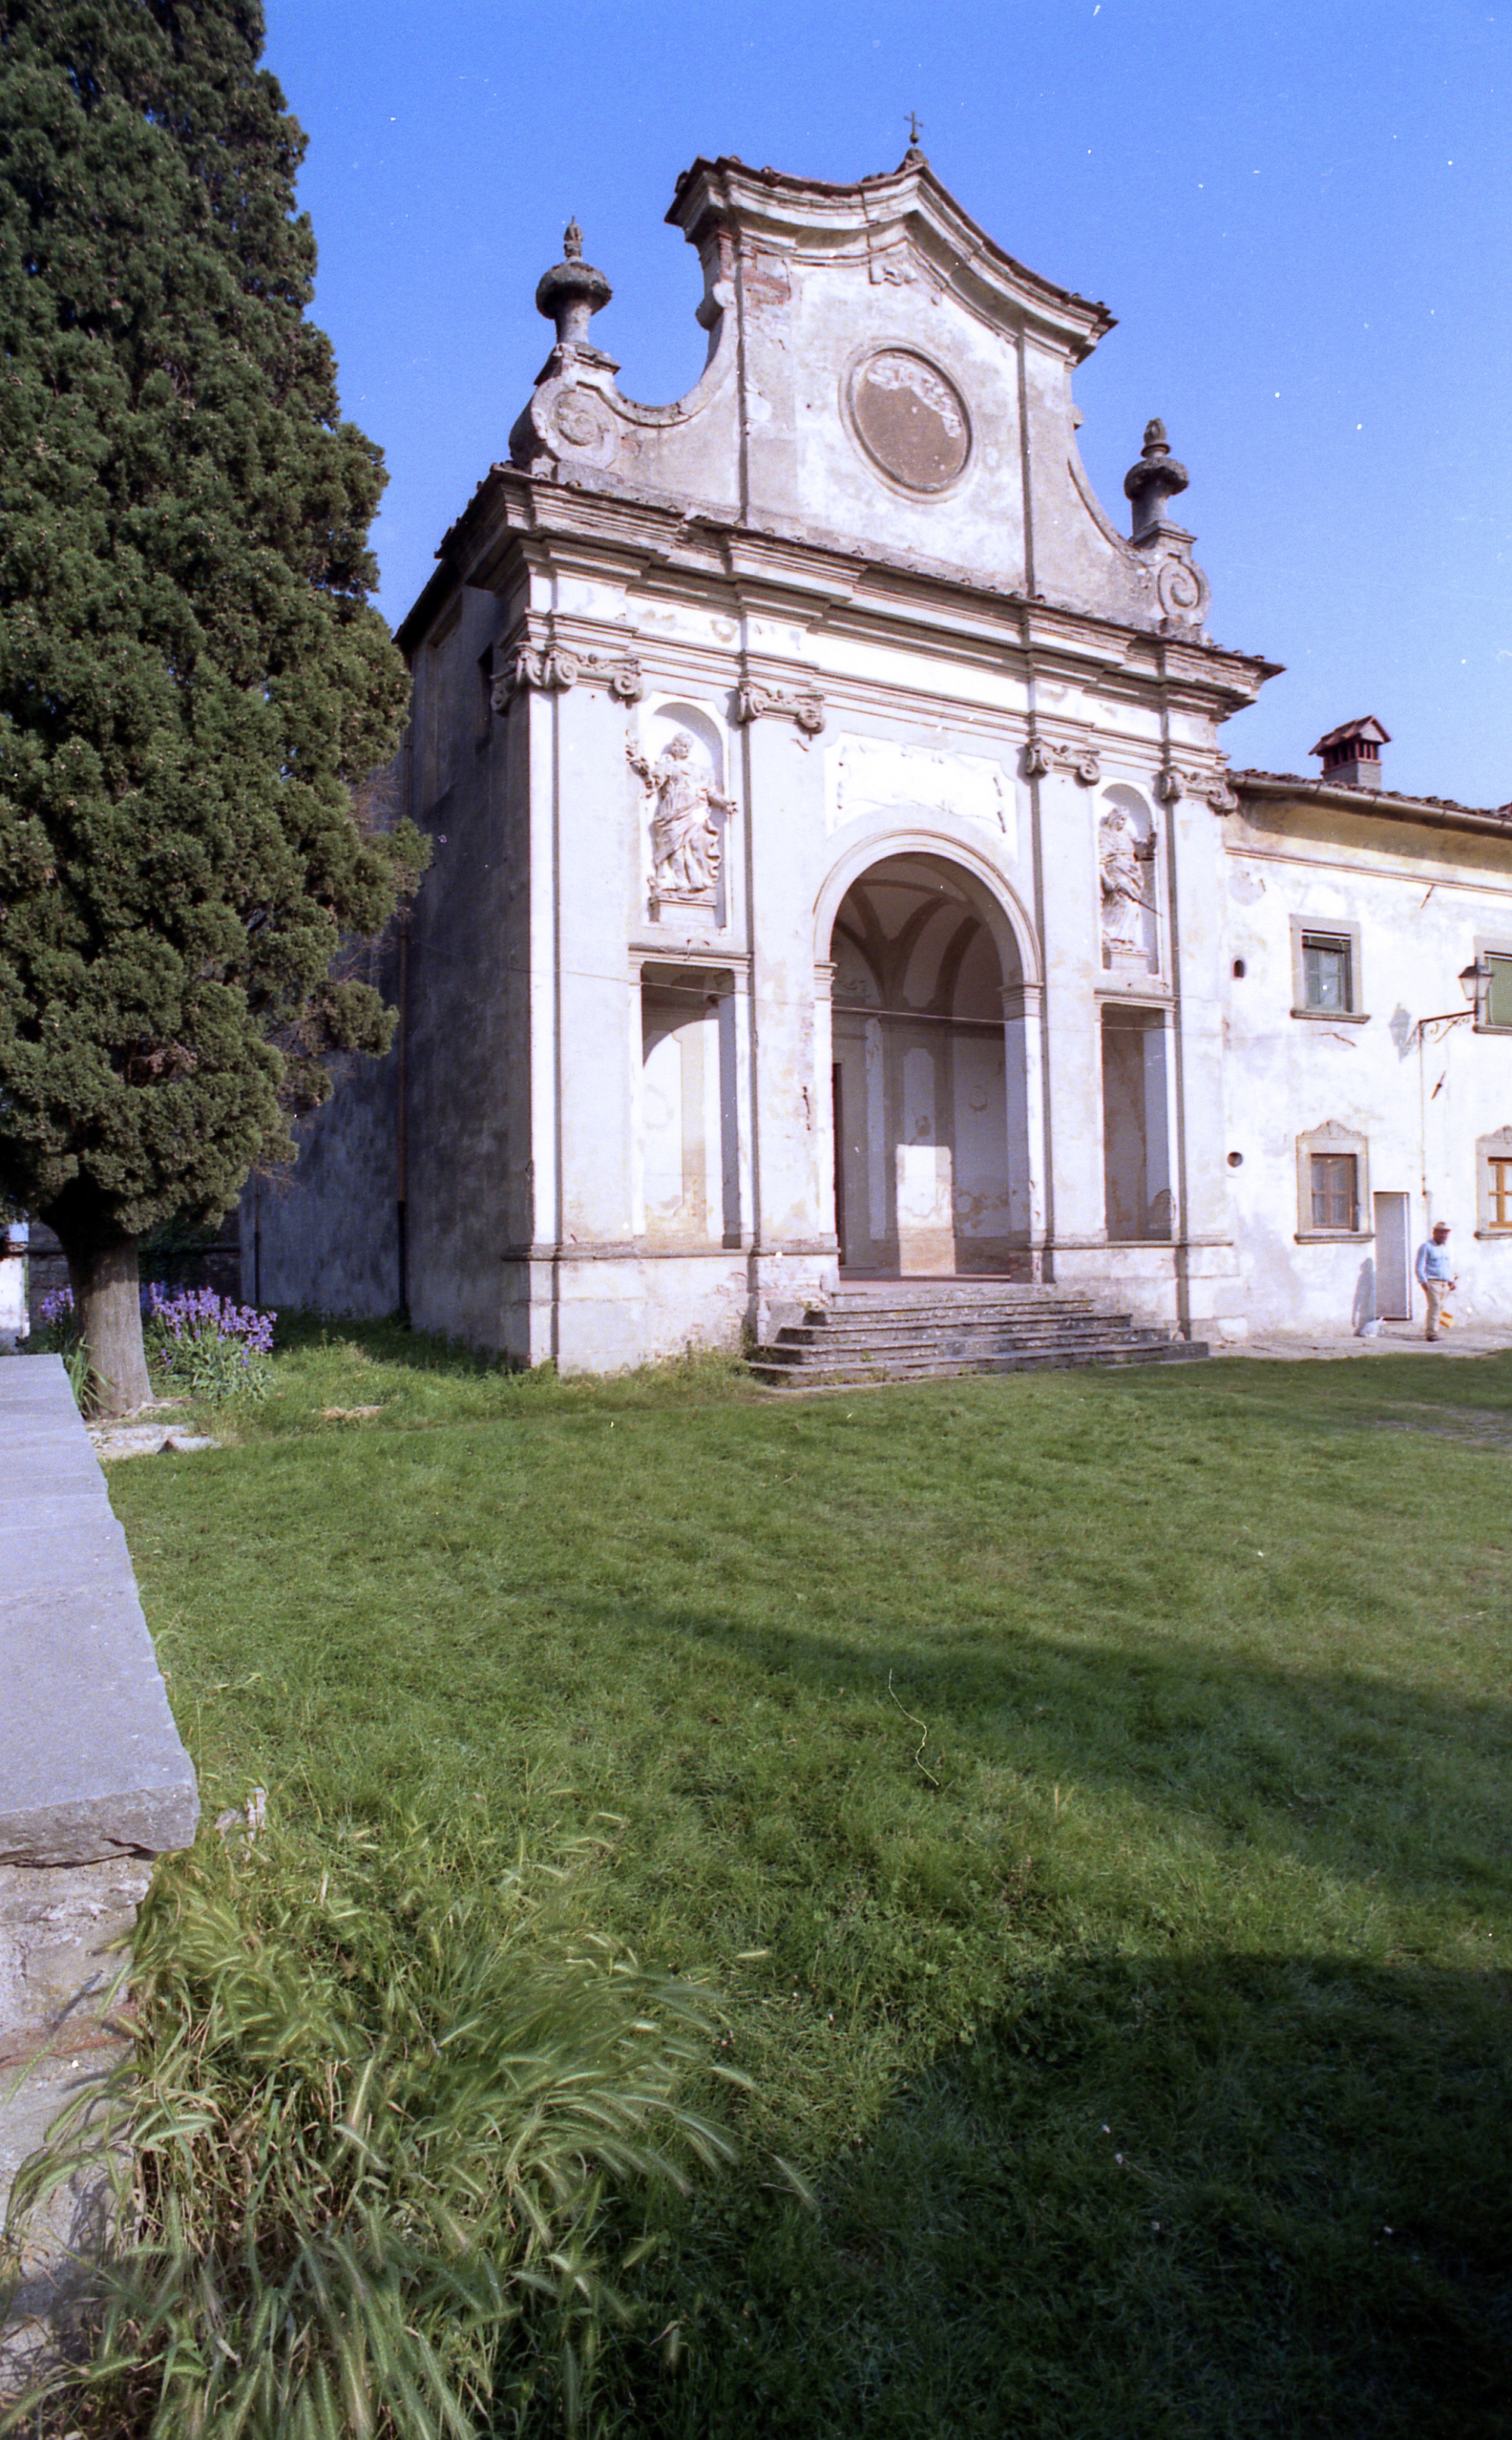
pixel 837 873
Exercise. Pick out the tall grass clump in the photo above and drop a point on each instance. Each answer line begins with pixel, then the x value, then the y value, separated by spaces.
pixel 382 2105
pixel 57 1332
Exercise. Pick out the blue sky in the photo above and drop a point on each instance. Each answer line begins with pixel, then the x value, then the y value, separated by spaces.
pixel 1300 210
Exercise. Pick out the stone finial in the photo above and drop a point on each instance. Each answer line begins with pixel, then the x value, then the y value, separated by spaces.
pixel 1157 479
pixel 572 291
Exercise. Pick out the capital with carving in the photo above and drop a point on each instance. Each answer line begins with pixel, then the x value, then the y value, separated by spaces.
pixel 1036 761
pixel 551 669
pixel 1170 786
pixel 802 705
pixel 1085 765
pixel 540 667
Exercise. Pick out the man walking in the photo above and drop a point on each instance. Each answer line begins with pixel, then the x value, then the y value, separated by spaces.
pixel 1435 1273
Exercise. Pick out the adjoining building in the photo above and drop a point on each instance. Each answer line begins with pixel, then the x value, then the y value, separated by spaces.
pixel 837 873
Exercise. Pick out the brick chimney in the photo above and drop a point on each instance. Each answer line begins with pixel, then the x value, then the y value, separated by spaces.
pixel 1351 754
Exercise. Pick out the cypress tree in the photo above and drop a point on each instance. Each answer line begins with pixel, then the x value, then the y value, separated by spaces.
pixel 192 681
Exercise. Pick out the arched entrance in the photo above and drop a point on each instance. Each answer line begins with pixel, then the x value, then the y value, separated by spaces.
pixel 931 1153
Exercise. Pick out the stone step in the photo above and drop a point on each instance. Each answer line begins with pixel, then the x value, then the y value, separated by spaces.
pixel 874 1311
pixel 857 1373
pixel 943 1300
pixel 907 1330
pixel 964 1316
pixel 887 1328
pixel 801 1347
pixel 954 1351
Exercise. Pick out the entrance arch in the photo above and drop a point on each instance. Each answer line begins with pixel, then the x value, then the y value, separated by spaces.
pixel 931 1117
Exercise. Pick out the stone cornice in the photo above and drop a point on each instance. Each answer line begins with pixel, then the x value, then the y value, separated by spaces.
pixel 908 206
pixel 813 575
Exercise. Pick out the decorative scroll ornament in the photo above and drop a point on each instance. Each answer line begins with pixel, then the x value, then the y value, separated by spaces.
pixel 1083 763
pixel 551 669
pixel 622 677
pixel 753 702
pixel 1213 787
pixel 581 421
pixel 1183 595
pixel 1125 899
pixel 685 806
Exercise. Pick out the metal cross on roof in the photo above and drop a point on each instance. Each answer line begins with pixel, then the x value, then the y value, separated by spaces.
pixel 915 131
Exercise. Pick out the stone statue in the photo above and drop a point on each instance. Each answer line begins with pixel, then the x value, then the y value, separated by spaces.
pixel 684 834
pixel 1121 852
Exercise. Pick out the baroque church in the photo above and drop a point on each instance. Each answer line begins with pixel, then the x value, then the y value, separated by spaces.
pixel 837 875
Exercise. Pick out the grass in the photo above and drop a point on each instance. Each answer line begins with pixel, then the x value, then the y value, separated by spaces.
pixel 364 2154
pixel 1090 1793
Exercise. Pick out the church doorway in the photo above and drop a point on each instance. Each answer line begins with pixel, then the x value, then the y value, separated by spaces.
pixel 931 1152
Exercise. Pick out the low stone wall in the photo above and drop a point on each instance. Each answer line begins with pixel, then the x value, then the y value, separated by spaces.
pixel 94 1783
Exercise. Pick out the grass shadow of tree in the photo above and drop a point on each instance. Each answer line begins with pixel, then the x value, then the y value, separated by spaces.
pixel 1242 2198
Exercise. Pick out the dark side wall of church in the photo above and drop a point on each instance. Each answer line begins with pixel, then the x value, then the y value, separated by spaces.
pixel 467 1065
pixel 324 1234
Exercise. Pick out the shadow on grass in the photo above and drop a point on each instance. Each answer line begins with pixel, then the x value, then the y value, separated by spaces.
pixel 1240 2198
pixel 696 1376
pixel 387 1341
pixel 1346 1771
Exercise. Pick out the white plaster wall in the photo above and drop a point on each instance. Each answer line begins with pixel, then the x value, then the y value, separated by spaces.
pixel 836 319
pixel 1420 1098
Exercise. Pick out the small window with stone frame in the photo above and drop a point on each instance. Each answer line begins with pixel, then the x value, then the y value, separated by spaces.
pixel 1327 973
pixel 1500 1196
pixel 1335 1191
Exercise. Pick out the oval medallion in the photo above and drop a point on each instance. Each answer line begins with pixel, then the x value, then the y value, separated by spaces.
pixel 912 420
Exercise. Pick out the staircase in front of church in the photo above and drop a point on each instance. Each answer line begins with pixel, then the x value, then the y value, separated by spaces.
pixel 924 1330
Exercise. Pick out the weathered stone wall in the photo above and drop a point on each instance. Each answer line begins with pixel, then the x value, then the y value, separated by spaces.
pixel 94 1781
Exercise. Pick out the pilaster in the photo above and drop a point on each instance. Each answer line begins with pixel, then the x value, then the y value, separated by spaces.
pixel 1070 1066
pixel 784 797
pixel 1209 1292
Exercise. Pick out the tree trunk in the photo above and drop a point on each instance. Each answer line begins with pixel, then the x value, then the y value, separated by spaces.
pixel 107 1300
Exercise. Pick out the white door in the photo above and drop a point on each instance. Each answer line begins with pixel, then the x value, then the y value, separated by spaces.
pixel 1393 1272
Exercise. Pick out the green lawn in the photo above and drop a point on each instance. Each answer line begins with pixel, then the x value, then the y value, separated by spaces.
pixel 1110 1773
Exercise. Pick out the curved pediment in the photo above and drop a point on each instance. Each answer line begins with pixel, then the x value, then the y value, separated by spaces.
pixel 881 376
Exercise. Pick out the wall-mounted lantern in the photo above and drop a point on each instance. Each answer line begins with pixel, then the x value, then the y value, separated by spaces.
pixel 1475 982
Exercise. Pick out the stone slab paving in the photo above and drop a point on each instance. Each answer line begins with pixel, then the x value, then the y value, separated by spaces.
pixel 1313 1340
pixel 94 1783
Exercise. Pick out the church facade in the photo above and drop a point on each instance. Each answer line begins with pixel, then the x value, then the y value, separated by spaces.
pixel 837 872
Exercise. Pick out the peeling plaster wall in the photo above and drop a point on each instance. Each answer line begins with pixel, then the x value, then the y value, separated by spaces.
pixel 1422 901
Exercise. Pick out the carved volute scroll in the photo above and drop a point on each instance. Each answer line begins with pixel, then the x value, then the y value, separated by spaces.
pixel 551 669
pixel 1080 762
pixel 799 704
